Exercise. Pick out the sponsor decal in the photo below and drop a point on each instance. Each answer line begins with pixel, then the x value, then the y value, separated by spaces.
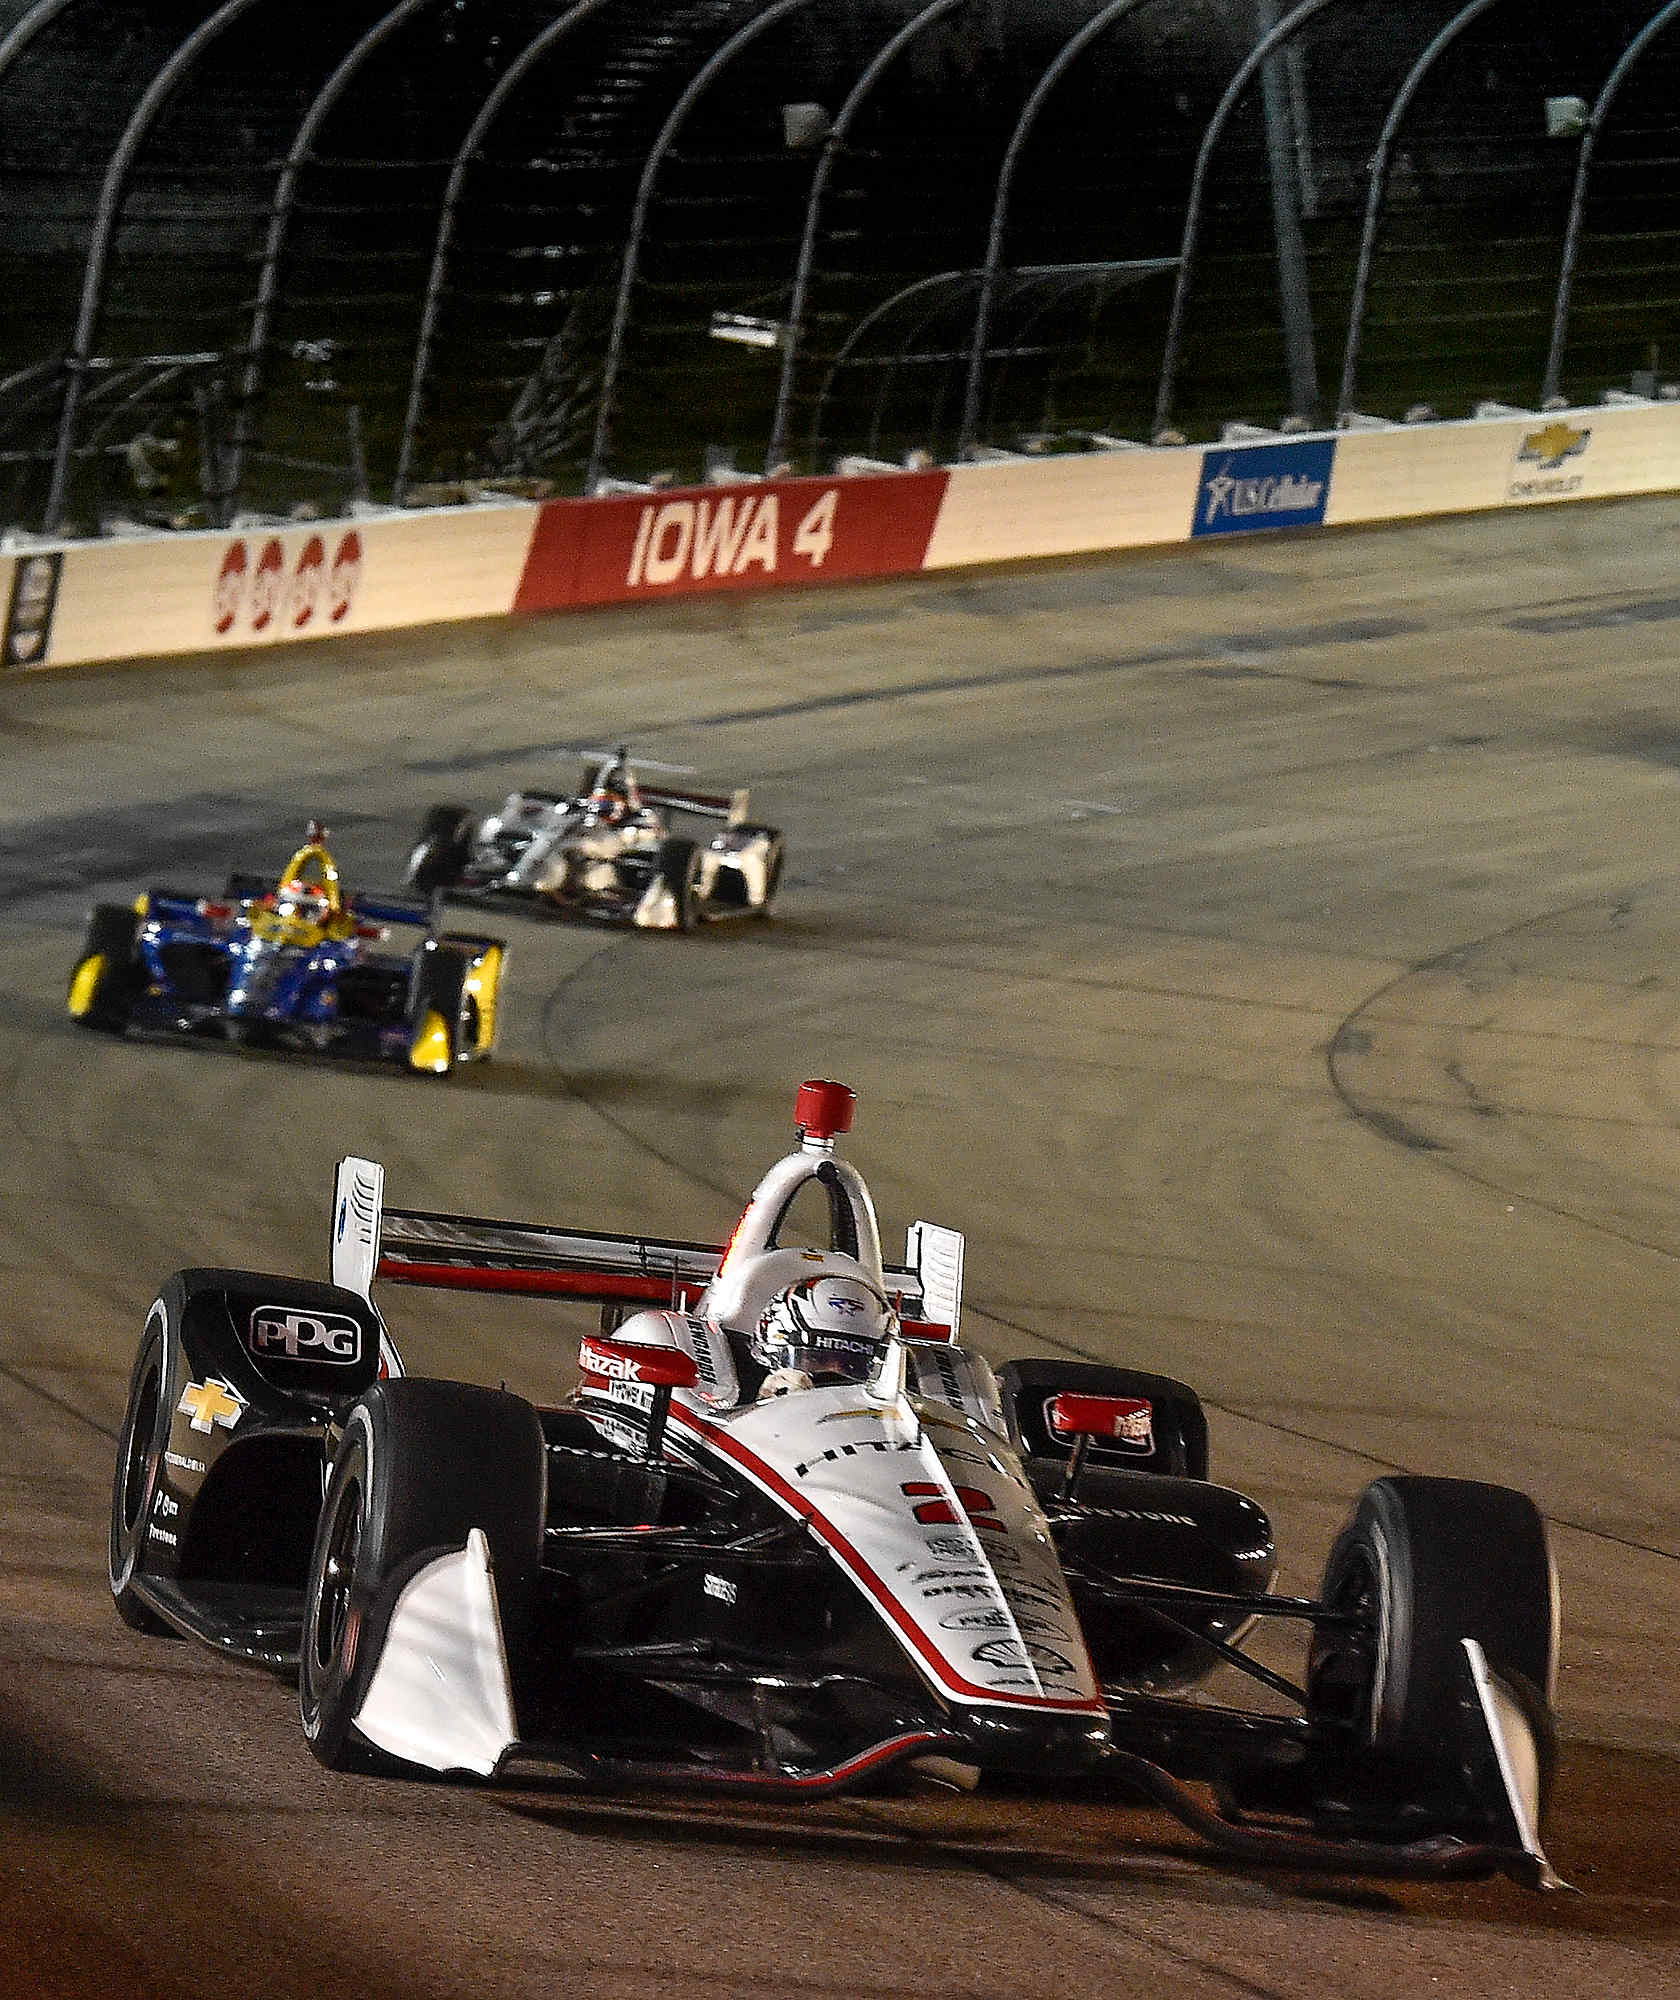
pixel 292 1334
pixel 1142 1514
pixel 975 1621
pixel 29 613
pixel 343 1219
pixel 751 536
pixel 163 1535
pixel 837 1452
pixel 932 1509
pixel 723 1588
pixel 1549 450
pixel 209 1403
pixel 1128 1421
pixel 182 1463
pixel 165 1506
pixel 949 1546
pixel 261 598
pixel 1006 1653
pixel 1247 487
pixel 987 1589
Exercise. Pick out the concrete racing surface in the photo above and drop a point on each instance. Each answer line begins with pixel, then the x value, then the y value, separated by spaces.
pixel 1268 952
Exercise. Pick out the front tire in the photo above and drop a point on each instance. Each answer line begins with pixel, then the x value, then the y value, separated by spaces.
pixel 1423 1565
pixel 422 1464
pixel 140 1447
pixel 679 870
pixel 438 1030
pixel 106 979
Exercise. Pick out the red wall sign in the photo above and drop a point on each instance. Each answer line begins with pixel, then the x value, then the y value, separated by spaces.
pixel 752 536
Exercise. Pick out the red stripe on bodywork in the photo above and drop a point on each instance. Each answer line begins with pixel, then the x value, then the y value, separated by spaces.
pixel 942 1670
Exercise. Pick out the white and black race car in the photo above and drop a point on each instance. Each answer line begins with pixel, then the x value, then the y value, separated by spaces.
pixel 608 850
pixel 791 1536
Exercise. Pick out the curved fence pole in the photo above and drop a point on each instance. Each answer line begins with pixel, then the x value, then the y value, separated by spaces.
pixel 1578 204
pixel 1378 189
pixel 719 61
pixel 1268 45
pixel 280 218
pixel 884 58
pixel 1069 52
pixel 856 335
pixel 115 185
pixel 506 84
pixel 24 30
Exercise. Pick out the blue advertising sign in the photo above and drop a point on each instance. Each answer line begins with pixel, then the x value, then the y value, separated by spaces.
pixel 1251 486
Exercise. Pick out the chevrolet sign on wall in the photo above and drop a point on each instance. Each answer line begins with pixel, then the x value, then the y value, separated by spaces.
pixel 1245 487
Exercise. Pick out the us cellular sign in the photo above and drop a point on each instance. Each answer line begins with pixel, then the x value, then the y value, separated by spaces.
pixel 1247 487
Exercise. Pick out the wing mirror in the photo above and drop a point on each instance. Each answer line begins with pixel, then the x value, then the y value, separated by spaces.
pixel 660 1369
pixel 1128 1420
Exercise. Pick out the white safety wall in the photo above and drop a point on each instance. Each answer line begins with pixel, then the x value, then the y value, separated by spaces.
pixel 71 602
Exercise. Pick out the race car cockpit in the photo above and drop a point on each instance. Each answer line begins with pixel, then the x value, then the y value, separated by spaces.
pixel 307 906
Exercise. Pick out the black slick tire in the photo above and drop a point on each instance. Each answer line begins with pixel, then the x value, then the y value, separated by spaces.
pixel 421 1464
pixel 440 851
pixel 679 870
pixel 140 1447
pixel 105 978
pixel 1423 1565
pixel 437 1009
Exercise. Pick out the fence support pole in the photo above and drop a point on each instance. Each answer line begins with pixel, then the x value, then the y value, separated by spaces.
pixel 1284 173
pixel 488 112
pixel 1377 190
pixel 1069 52
pixel 1578 203
pixel 1283 33
pixel 280 220
pixel 112 190
pixel 883 59
pixel 719 61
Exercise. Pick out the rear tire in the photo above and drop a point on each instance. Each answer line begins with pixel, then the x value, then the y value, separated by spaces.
pixel 679 870
pixel 440 853
pixel 421 1465
pixel 1422 1565
pixel 106 978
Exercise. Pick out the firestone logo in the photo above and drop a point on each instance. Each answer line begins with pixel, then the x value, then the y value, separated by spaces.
pixel 265 597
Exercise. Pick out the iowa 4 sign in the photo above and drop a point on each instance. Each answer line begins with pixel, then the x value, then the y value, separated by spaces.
pixel 729 538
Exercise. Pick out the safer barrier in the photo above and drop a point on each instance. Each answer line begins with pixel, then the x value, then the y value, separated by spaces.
pixel 73 602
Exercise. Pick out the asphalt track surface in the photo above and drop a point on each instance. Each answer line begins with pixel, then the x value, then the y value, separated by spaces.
pixel 1265 951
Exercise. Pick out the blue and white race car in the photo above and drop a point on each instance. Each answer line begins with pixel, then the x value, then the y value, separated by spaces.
pixel 297 965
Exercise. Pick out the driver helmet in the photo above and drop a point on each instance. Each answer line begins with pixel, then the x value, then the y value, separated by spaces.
pixel 831 1328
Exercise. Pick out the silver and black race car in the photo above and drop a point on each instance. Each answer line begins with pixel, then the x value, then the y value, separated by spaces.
pixel 608 850
pixel 791 1536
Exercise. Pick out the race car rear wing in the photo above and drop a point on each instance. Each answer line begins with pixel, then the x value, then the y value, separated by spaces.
pixel 474 1254
pixel 728 806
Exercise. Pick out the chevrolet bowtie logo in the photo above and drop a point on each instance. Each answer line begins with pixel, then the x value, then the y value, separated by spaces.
pixel 1553 445
pixel 211 1403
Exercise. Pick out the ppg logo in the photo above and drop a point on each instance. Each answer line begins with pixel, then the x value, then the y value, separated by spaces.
pixel 285 1332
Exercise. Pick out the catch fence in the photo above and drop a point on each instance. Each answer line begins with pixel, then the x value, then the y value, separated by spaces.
pixel 258 263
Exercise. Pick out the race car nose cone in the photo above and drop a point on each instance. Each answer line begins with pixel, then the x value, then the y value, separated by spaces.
pixel 823 1110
